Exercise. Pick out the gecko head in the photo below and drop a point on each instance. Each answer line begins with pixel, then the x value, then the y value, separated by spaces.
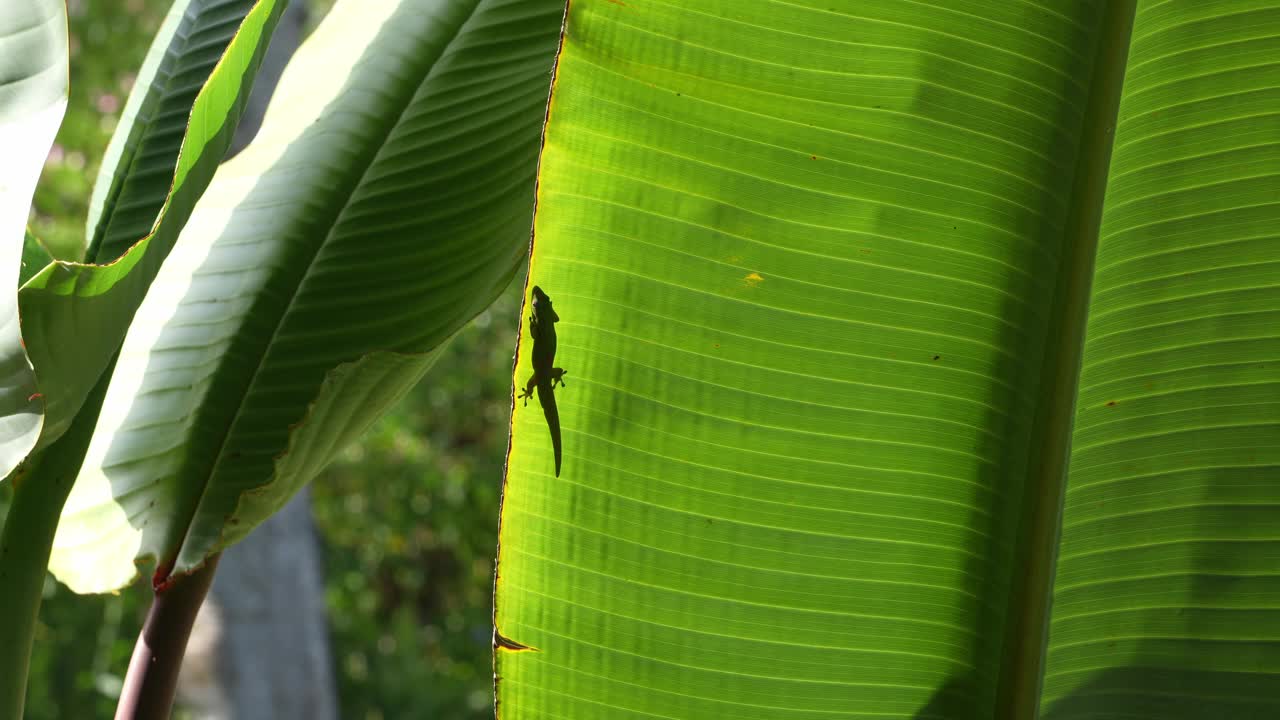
pixel 542 304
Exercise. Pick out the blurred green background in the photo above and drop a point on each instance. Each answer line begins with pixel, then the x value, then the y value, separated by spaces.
pixel 408 519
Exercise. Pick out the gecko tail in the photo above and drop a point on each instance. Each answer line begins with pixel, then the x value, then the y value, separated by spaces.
pixel 547 398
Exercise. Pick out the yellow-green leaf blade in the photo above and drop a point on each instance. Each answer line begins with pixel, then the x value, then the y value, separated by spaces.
pixel 802 258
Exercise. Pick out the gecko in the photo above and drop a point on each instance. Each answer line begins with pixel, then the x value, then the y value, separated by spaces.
pixel 542 327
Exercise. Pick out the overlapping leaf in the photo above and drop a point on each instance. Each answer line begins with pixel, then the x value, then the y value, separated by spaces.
pixel 74 315
pixel 35 256
pixel 33 97
pixel 385 201
pixel 139 163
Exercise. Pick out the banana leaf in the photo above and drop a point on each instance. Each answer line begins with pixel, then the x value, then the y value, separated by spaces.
pixel 921 362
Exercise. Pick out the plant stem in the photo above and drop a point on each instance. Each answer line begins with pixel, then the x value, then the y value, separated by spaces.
pixel 40 489
pixel 24 553
pixel 152 680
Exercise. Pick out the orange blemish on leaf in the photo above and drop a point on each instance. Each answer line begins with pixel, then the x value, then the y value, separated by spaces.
pixel 162 579
pixel 752 280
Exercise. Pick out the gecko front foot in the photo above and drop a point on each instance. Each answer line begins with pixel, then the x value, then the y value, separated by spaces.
pixel 528 389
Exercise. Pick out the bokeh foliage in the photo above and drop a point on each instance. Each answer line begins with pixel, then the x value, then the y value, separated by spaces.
pixel 410 520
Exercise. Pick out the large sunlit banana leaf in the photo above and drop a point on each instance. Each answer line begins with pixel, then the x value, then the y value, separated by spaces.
pixel 75 315
pixel 33 97
pixel 386 200
pixel 821 271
